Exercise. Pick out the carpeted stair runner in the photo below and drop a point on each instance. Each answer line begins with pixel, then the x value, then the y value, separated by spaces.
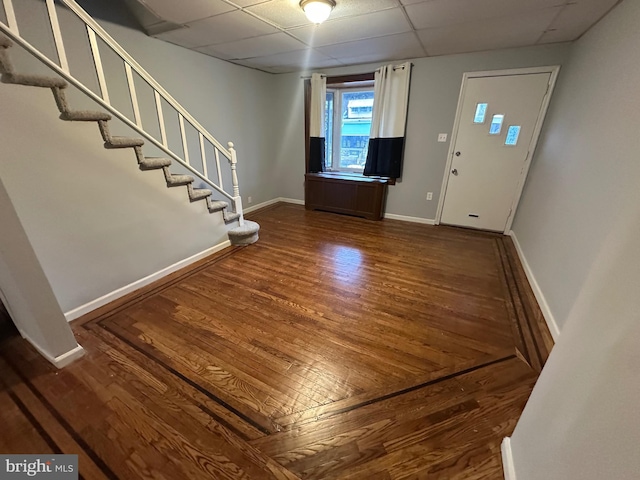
pixel 242 235
pixel 245 234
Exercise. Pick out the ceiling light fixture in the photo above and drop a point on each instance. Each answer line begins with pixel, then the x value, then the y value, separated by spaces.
pixel 317 11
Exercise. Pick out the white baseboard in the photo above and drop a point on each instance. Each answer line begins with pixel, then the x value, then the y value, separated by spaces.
pixel 258 206
pixel 404 218
pixel 507 459
pixel 291 200
pixel 542 301
pixel 295 201
pixel 120 292
pixel 60 361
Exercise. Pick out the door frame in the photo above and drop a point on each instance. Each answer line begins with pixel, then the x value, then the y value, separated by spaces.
pixel 554 70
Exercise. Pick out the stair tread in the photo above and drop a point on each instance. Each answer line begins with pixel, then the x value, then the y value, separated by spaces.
pixel 176 180
pixel 249 228
pixel 34 80
pixel 231 217
pixel 152 163
pixel 84 116
pixel 5 42
pixel 244 234
pixel 217 205
pixel 124 142
pixel 199 194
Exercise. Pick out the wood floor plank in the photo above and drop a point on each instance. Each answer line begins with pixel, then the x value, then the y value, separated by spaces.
pixel 335 348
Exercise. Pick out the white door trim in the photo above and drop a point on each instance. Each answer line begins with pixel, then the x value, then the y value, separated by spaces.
pixel 554 70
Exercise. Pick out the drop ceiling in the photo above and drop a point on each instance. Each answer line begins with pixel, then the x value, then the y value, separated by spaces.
pixel 276 37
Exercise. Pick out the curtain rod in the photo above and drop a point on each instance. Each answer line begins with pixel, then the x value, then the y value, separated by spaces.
pixel 395 67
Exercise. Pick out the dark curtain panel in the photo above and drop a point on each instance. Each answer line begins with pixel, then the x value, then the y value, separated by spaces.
pixel 384 158
pixel 316 154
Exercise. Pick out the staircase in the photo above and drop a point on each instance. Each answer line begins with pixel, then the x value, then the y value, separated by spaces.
pixel 245 233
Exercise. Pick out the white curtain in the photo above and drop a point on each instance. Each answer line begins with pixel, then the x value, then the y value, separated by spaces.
pixel 316 122
pixel 388 125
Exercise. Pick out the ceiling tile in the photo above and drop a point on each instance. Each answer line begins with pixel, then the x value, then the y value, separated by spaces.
pixel 287 13
pixel 255 47
pixel 184 12
pixel 377 24
pixel 492 34
pixel 223 28
pixel 575 19
pixel 439 13
pixel 403 45
pixel 299 58
pixel 374 58
pixel 248 3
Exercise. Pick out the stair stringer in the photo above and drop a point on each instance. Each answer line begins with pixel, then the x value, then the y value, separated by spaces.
pixel 241 235
pixel 96 222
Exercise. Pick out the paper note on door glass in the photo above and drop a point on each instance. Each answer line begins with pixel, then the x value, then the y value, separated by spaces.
pixel 481 113
pixel 496 125
pixel 512 135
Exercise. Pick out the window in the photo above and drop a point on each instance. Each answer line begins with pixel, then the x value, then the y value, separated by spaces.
pixel 513 133
pixel 481 113
pixel 347 126
pixel 496 125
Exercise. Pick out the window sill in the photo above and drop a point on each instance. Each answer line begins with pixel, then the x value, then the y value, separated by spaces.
pixel 356 176
pixel 347 177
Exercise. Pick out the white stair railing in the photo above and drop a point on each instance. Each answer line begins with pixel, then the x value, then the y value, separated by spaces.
pixel 95 31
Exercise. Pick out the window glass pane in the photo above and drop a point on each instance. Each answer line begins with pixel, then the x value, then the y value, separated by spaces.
pixel 496 125
pixel 481 113
pixel 512 135
pixel 357 108
pixel 328 129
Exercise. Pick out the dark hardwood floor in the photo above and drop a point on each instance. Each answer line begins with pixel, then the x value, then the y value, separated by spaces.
pixel 335 347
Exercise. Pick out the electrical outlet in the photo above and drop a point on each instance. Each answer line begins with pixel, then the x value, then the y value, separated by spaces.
pixel 442 137
pixel 429 195
pixel 249 199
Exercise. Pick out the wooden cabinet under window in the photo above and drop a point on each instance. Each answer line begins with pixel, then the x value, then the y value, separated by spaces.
pixel 359 196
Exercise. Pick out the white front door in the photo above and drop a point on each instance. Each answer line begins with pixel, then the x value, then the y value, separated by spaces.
pixel 496 125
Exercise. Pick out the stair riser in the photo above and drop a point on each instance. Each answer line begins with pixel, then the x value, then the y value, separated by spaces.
pixel 248 240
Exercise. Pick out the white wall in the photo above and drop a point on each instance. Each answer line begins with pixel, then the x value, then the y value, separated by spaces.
pixel 25 291
pixel 435 86
pixel 579 227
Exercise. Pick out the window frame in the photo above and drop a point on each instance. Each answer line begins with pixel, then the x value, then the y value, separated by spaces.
pixel 336 140
pixel 334 81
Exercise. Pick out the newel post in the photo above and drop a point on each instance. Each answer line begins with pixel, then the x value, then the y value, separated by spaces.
pixel 234 173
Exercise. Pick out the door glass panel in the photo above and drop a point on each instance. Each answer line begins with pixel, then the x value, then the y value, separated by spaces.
pixel 481 113
pixel 513 132
pixel 496 125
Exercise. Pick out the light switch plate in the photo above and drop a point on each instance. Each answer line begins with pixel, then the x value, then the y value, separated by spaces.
pixel 442 137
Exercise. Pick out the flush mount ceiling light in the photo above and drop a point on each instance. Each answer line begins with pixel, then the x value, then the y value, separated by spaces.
pixel 317 11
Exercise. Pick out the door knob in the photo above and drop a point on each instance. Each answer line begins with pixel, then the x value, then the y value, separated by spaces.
pixel 457 154
pixel 454 171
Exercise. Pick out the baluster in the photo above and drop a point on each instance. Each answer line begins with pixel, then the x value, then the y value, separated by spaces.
pixel 163 130
pixel 234 174
pixel 184 139
pixel 57 35
pixel 203 156
pixel 133 95
pixel 11 16
pixel 93 42
pixel 217 152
